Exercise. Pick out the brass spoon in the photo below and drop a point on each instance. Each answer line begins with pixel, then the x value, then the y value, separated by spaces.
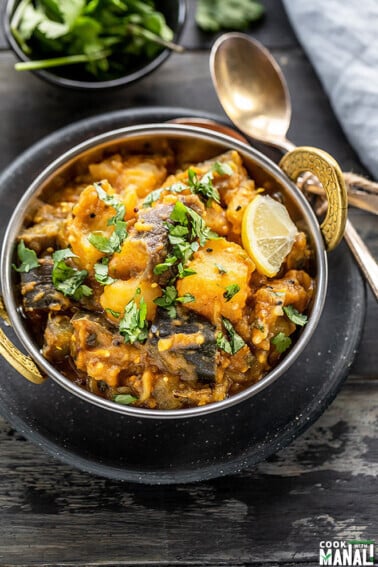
pixel 253 93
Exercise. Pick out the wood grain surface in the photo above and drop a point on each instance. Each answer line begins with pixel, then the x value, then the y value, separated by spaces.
pixel 321 487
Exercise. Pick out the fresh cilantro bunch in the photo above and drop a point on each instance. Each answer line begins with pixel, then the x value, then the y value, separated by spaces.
pixel 215 15
pixel 107 36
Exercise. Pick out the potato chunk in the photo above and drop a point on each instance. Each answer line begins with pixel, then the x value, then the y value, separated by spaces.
pixel 218 265
pixel 117 295
pixel 138 173
pixel 89 215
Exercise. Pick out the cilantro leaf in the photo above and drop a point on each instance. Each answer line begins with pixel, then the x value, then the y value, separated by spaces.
pixel 101 270
pixel 133 325
pixel 294 315
pixel 200 228
pixel 152 197
pixel 113 243
pixel 231 342
pixel 63 254
pixel 204 186
pixel 214 15
pixel 168 263
pixel 69 280
pixel 155 195
pixel 281 342
pixel 222 168
pixel 231 290
pixel 27 257
pixel 101 242
pixel 124 399
pixel 71 10
pixel 169 298
pixel 184 272
pixel 115 314
pixel 186 298
pixel 111 201
pixel 179 213
pixel 221 269
pixel 223 343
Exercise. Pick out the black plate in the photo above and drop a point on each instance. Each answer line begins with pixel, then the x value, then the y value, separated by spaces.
pixel 165 451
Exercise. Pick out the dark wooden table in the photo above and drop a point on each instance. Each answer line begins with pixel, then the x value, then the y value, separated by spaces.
pixel 321 487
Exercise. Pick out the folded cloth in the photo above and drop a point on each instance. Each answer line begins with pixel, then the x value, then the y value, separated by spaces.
pixel 341 39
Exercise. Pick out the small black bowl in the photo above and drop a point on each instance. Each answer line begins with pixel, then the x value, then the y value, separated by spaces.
pixel 175 14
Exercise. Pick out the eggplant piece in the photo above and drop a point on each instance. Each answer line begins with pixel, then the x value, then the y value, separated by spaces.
pixel 145 246
pixel 41 236
pixel 38 291
pixel 185 346
pixel 57 338
pixel 100 352
pixel 155 238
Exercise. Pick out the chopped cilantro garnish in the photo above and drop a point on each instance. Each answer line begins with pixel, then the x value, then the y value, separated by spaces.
pixel 179 213
pixel 200 228
pixel 27 257
pixel 186 298
pixel 66 279
pixel 115 314
pixel 111 201
pixel 101 270
pixel 187 225
pixel 168 263
pixel 281 342
pixel 184 227
pixel 221 269
pixel 152 197
pixel 222 168
pixel 125 399
pixel 230 342
pixel 109 245
pixel 63 254
pixel 204 186
pixel 101 242
pixel 133 325
pixel 155 195
pixel 231 290
pixel 184 272
pixel 169 298
pixel 294 315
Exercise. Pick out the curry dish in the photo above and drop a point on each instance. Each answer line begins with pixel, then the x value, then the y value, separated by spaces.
pixel 136 278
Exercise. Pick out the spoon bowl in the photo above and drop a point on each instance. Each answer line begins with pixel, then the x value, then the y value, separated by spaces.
pixel 251 89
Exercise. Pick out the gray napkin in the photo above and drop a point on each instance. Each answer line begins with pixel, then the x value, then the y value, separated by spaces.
pixel 341 39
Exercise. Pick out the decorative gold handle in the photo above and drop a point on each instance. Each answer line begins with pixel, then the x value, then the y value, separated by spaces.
pixel 20 362
pixel 327 170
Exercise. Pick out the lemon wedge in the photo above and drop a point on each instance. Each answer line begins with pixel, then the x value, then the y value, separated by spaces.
pixel 268 233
